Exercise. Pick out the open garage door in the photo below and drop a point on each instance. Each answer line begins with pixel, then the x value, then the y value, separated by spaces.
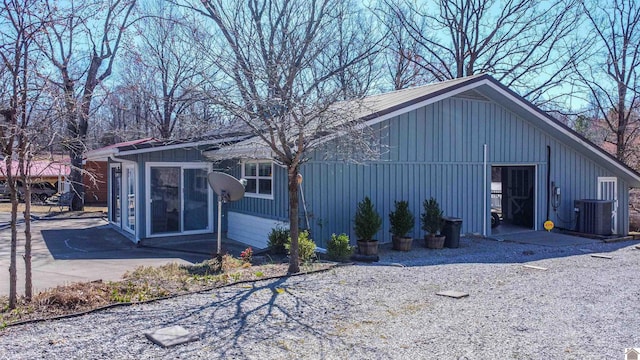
pixel 513 198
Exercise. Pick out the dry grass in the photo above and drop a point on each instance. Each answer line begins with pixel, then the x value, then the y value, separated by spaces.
pixel 144 283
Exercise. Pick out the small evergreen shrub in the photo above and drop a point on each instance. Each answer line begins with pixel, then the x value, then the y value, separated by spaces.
pixel 338 248
pixel 306 246
pixel 401 219
pixel 277 240
pixel 431 219
pixel 367 220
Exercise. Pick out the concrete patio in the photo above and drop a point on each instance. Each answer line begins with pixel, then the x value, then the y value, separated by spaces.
pixel 78 250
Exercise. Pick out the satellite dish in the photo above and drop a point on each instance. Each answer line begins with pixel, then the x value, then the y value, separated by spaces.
pixel 228 189
pixel 226 186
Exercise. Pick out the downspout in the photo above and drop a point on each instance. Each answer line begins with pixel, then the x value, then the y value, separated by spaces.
pixel 486 196
pixel 548 179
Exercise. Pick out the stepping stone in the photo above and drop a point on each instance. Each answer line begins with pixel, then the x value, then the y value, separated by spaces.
pixel 452 293
pixel 534 267
pixel 171 336
pixel 602 256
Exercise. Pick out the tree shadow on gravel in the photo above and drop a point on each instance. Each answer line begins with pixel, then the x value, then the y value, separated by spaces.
pixel 243 319
pixel 486 251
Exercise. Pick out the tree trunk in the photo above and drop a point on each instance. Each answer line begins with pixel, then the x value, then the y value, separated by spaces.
pixel 75 178
pixel 294 260
pixel 621 150
pixel 75 127
pixel 23 167
pixel 621 131
pixel 13 271
pixel 7 131
pixel 28 286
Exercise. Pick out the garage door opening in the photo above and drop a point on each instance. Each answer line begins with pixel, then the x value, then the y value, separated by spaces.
pixel 512 198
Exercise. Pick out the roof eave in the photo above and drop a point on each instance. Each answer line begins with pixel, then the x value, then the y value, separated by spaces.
pixel 100 154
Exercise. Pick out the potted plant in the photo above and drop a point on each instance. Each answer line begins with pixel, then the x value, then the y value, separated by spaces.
pixel 432 223
pixel 367 224
pixel 402 221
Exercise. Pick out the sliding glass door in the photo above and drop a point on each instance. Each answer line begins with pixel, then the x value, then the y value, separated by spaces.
pixel 165 200
pixel 196 196
pixel 179 199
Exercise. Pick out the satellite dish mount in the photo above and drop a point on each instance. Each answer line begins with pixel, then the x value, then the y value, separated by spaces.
pixel 228 189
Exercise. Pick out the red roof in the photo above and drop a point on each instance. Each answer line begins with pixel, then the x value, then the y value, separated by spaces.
pixel 39 168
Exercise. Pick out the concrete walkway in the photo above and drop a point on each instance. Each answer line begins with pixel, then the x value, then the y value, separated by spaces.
pixel 545 238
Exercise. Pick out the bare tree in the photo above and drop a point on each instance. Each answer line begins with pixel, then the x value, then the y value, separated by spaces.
pixel 165 67
pixel 19 28
pixel 611 77
pixel 401 54
pixel 280 78
pixel 523 43
pixel 82 41
pixel 353 25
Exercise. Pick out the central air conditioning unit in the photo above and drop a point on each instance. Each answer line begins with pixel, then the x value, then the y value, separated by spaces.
pixel 593 216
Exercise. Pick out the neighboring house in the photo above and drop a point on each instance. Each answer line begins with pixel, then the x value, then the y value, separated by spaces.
pixel 95 182
pixel 454 140
pixel 46 176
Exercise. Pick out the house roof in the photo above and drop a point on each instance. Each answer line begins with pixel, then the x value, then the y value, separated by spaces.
pixel 233 142
pixel 377 108
pixel 152 144
pixel 104 152
pixel 377 105
pixel 39 169
pixel 363 109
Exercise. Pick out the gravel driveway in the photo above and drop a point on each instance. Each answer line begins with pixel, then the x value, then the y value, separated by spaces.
pixel 580 308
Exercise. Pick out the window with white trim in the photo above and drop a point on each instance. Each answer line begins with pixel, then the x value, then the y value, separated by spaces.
pixel 259 176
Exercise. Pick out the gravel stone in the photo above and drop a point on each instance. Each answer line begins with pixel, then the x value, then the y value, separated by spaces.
pixel 580 308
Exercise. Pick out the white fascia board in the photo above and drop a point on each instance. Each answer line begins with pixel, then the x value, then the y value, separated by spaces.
pixel 100 154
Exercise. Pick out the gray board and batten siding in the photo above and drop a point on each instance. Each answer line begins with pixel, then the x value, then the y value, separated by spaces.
pixel 433 140
pixel 438 150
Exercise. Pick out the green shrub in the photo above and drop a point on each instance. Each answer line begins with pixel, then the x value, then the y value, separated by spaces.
pixel 367 220
pixel 277 240
pixel 338 248
pixel 431 219
pixel 306 246
pixel 401 219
